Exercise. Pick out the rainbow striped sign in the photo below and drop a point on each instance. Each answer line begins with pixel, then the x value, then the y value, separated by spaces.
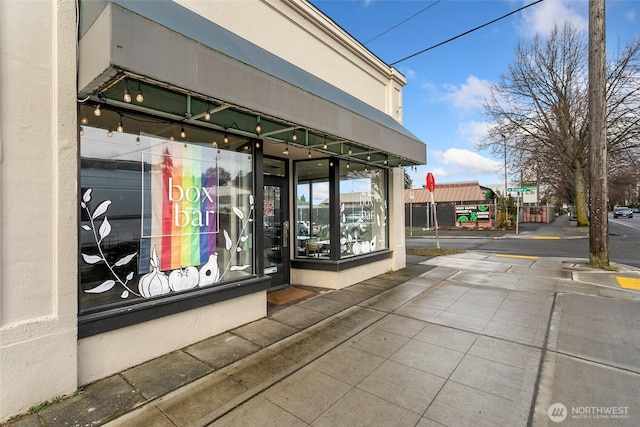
pixel 180 203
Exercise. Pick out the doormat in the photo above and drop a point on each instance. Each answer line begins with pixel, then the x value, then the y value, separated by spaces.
pixel 288 295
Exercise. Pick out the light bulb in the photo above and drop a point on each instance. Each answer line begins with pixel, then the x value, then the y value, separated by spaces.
pixel 139 95
pixel 84 120
pixel 226 139
pixel 349 152
pixel 294 137
pixel 368 157
pixel 81 130
pixel 286 150
pixel 171 138
pixel 324 146
pixel 309 153
pixel 183 134
pixel 258 128
pixel 127 95
pixel 97 112
pixel 207 115
pixel 120 128
pixel 257 144
pixel 137 140
pixel 109 133
pixel 347 165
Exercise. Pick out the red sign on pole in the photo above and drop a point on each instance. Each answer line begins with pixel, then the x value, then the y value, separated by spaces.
pixel 431 182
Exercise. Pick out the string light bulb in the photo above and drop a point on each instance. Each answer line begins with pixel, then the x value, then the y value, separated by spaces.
pixel 324 145
pixel 120 128
pixel 226 139
pixel 294 137
pixel 171 138
pixel 350 152
pixel 139 95
pixel 84 120
pixel 137 140
pixel 286 149
pixel 81 131
pixel 348 165
pixel 207 114
pixel 257 144
pixel 109 133
pixel 183 134
pixel 258 127
pixel 127 95
pixel 97 111
pixel 309 153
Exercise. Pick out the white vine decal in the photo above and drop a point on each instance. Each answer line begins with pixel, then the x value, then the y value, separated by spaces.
pixel 156 282
pixel 103 231
pixel 237 246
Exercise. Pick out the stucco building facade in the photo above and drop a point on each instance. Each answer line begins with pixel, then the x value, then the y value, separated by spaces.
pixel 166 164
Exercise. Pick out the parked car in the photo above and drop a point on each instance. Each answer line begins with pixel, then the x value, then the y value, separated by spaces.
pixel 636 210
pixel 622 211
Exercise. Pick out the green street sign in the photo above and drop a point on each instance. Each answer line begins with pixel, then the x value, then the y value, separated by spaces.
pixel 518 190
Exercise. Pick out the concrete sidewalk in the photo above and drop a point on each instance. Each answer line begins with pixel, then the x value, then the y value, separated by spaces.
pixel 472 339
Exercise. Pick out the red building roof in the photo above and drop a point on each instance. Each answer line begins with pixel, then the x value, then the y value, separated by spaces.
pixel 456 192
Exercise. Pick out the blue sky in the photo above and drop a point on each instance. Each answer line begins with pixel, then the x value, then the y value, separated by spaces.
pixel 447 85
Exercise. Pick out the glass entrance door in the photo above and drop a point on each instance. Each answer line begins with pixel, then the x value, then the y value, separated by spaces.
pixel 276 230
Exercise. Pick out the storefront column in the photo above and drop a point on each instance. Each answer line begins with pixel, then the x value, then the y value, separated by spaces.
pixel 38 235
pixel 396 219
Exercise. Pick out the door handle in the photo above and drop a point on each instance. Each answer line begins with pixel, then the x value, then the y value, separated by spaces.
pixel 285 234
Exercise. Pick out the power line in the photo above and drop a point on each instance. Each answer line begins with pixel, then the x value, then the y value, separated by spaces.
pixel 408 19
pixel 465 33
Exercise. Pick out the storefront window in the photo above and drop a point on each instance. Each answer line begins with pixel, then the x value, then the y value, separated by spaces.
pixel 312 209
pixel 160 217
pixel 363 209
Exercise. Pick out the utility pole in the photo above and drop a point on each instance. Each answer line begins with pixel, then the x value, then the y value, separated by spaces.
pixel 599 220
pixel 506 209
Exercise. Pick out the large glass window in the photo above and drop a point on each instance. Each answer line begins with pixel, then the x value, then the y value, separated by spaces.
pixel 160 217
pixel 312 209
pixel 363 209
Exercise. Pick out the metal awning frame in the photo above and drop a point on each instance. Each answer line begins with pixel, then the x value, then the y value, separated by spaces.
pixel 180 106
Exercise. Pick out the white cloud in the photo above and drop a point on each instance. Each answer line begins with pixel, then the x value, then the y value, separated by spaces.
pixel 473 132
pixel 409 73
pixel 542 17
pixel 470 95
pixel 466 162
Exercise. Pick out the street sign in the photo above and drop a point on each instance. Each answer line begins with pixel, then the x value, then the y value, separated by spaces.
pixel 518 190
pixel 431 182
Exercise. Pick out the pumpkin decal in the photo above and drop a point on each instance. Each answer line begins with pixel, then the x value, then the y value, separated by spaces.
pixel 155 282
pixel 210 273
pixel 183 279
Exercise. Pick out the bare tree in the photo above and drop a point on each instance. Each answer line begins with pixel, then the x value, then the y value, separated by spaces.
pixel 541 106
